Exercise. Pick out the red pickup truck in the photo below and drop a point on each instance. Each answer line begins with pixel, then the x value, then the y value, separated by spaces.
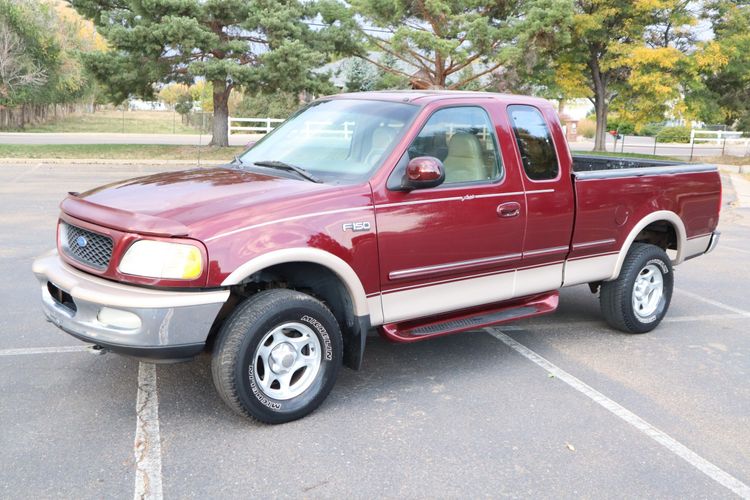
pixel 419 213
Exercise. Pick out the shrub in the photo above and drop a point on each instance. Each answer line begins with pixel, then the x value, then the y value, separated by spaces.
pixel 622 126
pixel 276 105
pixel 673 134
pixel 587 128
pixel 651 129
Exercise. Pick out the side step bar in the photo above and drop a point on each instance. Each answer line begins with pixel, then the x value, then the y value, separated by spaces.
pixel 471 319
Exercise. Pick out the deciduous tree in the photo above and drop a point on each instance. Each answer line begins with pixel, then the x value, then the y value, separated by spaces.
pixel 727 63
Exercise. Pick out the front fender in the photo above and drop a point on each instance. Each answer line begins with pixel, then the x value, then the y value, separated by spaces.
pixel 313 255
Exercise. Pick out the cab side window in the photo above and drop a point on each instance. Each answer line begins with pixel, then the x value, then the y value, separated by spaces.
pixel 464 140
pixel 534 142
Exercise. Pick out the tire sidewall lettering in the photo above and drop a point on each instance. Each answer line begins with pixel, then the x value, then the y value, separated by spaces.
pixel 650 319
pixel 262 399
pixel 327 347
pixel 659 262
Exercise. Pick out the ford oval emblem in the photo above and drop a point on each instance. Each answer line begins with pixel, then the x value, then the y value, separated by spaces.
pixel 81 241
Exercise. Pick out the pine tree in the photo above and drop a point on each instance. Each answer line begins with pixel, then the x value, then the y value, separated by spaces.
pixel 260 45
pixel 437 40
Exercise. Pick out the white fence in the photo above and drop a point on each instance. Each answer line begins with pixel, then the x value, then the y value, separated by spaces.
pixel 266 124
pixel 717 137
pixel 323 129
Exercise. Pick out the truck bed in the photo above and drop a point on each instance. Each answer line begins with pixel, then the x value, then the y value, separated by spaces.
pixel 614 193
pixel 597 167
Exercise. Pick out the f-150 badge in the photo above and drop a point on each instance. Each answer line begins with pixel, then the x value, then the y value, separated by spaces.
pixel 356 226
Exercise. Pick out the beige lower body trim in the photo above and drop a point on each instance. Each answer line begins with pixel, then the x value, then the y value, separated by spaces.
pixel 696 246
pixel 589 269
pixel 375 306
pixel 435 299
pixel 538 279
pixel 403 305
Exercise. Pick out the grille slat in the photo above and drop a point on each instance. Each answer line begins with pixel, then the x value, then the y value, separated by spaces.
pixel 87 247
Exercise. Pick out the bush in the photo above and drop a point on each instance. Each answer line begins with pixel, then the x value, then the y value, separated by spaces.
pixel 651 129
pixel 276 105
pixel 587 128
pixel 673 134
pixel 622 126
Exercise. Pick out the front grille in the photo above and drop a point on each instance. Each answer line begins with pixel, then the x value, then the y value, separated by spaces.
pixel 87 247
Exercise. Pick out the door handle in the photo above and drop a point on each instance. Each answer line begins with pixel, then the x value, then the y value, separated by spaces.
pixel 509 209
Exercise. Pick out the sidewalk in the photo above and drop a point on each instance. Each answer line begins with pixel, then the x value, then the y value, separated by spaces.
pixel 742 189
pixel 740 182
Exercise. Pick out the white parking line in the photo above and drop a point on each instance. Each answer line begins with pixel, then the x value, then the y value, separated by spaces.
pixel 147 445
pixel 682 451
pixel 715 303
pixel 43 350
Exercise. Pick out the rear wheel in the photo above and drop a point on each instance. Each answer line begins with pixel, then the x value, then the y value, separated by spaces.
pixel 277 356
pixel 639 298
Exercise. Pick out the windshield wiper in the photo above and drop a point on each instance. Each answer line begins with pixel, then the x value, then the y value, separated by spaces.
pixel 289 167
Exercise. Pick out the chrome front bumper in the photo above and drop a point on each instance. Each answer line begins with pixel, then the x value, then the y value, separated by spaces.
pixel 137 321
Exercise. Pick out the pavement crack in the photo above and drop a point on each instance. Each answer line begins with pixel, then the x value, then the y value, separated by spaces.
pixel 147 442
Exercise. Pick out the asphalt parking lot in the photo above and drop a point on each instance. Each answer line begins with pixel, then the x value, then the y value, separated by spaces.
pixel 553 407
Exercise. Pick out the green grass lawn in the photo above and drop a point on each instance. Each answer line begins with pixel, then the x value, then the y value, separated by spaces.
pixel 111 121
pixel 117 151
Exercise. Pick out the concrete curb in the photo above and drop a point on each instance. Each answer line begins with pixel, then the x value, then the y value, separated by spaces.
pixel 741 190
pixel 109 161
pixel 735 169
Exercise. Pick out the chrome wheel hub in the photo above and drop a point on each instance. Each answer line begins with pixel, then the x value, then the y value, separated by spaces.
pixel 287 360
pixel 648 290
pixel 282 358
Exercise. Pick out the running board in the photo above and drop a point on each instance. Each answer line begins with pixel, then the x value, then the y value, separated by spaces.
pixel 471 319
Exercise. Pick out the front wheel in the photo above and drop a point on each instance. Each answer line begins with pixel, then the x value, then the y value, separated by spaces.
pixel 639 298
pixel 277 356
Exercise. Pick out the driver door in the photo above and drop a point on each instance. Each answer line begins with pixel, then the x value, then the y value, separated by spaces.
pixel 457 245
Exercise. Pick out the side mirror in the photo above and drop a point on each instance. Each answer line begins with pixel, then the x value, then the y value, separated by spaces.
pixel 423 172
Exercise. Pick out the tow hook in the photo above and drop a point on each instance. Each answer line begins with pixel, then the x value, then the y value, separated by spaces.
pixel 97 350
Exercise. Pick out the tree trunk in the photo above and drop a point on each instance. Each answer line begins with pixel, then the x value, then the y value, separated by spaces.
pixel 601 102
pixel 220 127
pixel 600 139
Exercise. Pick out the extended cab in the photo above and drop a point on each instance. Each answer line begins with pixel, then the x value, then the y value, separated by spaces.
pixel 417 213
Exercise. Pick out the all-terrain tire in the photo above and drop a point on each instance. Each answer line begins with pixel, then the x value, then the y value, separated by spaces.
pixel 236 365
pixel 618 300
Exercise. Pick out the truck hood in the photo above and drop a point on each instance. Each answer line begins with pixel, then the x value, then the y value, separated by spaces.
pixel 181 203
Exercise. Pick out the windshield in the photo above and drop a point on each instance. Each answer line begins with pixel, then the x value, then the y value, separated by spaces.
pixel 339 140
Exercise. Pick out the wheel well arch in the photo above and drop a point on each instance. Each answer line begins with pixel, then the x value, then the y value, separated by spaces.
pixel 312 257
pixel 662 228
pixel 317 273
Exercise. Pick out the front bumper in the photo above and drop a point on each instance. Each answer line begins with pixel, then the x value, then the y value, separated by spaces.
pixel 140 322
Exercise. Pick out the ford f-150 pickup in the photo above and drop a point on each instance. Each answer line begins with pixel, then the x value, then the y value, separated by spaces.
pixel 417 213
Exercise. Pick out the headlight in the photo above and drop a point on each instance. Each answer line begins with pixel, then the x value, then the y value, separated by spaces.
pixel 159 259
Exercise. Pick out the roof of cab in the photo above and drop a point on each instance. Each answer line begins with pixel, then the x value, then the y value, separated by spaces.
pixel 423 97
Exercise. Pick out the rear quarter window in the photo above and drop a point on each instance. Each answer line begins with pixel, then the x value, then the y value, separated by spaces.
pixel 534 142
